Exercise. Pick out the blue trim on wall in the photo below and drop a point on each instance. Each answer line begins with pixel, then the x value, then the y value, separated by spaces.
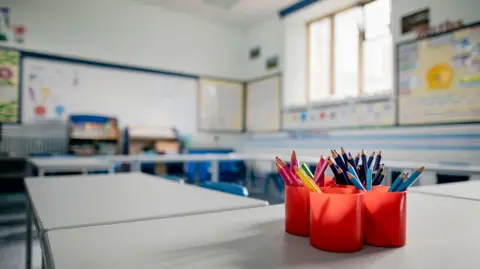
pixel 295 7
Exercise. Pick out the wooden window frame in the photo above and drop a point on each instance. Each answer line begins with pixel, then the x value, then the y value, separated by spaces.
pixel 362 39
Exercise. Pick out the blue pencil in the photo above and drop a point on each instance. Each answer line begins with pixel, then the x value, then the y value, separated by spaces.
pixel 355 181
pixel 357 160
pixel 380 178
pixel 409 181
pixel 368 185
pixel 340 163
pixel 344 155
pixel 376 165
pixel 364 162
pixel 398 181
pixel 370 160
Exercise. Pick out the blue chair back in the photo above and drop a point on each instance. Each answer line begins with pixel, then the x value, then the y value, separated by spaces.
pixel 226 187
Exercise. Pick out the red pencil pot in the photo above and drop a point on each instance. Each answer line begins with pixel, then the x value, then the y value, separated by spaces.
pixel 385 217
pixel 297 210
pixel 337 219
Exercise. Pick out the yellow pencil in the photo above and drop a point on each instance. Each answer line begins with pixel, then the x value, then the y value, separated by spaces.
pixel 307 181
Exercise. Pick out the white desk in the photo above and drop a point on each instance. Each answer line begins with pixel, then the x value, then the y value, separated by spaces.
pixel 467 190
pixel 76 201
pixel 442 234
pixel 70 164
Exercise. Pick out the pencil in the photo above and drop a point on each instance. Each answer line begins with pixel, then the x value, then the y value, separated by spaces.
pixel 368 184
pixel 283 175
pixel 344 155
pixel 334 170
pixel 355 181
pixel 293 161
pixel 370 160
pixel 377 160
pixel 352 171
pixel 397 182
pixel 357 160
pixel 306 170
pixel 409 181
pixel 350 160
pixel 377 174
pixel 308 182
pixel 341 174
pixel 319 177
pixel 288 172
pixel 364 162
pixel 340 162
pixel 381 177
pixel 319 165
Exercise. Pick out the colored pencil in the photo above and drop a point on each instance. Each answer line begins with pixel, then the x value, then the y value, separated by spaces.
pixel 319 165
pixel 344 155
pixel 306 170
pixel 377 174
pixel 352 171
pixel 319 177
pixel 410 180
pixel 381 177
pixel 307 182
pixel 368 184
pixel 284 176
pixel 364 162
pixel 397 182
pixel 355 181
pixel 339 161
pixel 334 170
pixel 293 161
pixel 295 180
pixel 343 180
pixel 370 160
pixel 377 161
pixel 357 160
pixel 350 160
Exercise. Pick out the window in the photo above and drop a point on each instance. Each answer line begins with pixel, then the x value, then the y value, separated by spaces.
pixel 351 53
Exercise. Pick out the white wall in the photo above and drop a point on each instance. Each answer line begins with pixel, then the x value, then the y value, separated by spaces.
pixel 440 11
pixel 129 32
pixel 269 37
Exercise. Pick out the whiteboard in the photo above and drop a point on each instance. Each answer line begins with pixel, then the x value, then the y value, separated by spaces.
pixel 263 105
pixel 55 89
pixel 221 105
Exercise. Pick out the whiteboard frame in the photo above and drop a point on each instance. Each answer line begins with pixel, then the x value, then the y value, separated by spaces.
pixel 200 106
pixel 280 102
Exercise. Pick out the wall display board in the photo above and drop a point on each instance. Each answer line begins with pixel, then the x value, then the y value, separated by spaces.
pixel 439 78
pixel 56 89
pixel 221 105
pixel 9 83
pixel 347 115
pixel 263 105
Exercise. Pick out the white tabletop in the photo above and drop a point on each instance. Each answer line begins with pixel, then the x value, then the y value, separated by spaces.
pixel 467 190
pixel 442 234
pixel 57 164
pixel 73 201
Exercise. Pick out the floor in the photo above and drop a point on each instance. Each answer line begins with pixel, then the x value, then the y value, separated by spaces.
pixel 12 234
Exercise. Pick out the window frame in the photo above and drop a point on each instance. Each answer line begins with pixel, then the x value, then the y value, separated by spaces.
pixel 362 39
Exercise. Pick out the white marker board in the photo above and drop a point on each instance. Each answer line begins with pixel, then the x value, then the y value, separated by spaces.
pixel 53 89
pixel 263 105
pixel 221 106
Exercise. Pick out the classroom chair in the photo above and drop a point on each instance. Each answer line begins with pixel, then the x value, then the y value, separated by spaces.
pixel 225 187
pixel 277 180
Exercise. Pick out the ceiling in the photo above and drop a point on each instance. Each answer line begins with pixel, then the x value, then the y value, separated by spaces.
pixel 241 12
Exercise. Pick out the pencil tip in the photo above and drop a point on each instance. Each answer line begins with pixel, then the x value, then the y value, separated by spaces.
pixel 373 154
pixel 380 152
pixel 363 152
pixel 421 169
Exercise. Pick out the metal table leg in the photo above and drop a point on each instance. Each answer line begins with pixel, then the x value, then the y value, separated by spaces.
pixel 215 171
pixel 29 222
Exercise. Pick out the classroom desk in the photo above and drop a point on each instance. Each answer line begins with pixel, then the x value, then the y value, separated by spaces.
pixel 467 190
pixel 76 201
pixel 442 234
pixel 69 164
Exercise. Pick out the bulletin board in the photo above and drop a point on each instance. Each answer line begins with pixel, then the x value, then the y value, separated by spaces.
pixel 9 85
pixel 55 89
pixel 263 105
pixel 221 106
pixel 439 78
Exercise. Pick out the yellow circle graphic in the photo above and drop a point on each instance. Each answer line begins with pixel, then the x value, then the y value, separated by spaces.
pixel 440 77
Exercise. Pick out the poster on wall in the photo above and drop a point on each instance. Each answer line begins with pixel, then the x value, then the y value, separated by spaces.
pixel 439 78
pixel 9 66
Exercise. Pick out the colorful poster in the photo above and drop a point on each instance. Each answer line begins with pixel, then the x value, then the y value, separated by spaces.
pixel 9 65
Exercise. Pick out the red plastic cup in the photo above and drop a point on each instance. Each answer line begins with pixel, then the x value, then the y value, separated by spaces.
pixel 337 219
pixel 297 210
pixel 385 217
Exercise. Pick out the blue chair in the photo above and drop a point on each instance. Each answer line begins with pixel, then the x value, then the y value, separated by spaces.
pixel 277 180
pixel 225 187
